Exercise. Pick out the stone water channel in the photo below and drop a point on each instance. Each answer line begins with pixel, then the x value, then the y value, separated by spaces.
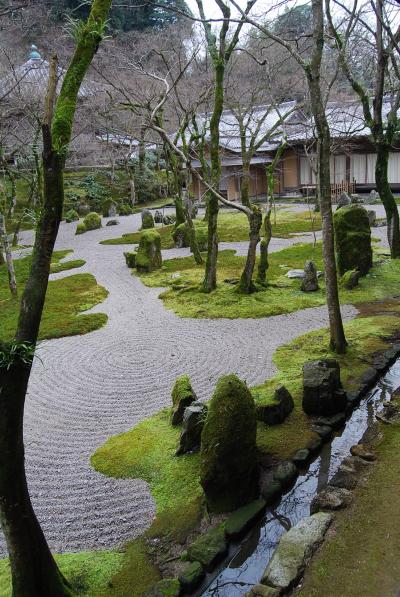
pixel 248 559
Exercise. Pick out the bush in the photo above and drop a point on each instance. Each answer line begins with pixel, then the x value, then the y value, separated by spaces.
pixel 81 228
pixel 71 216
pixel 353 239
pixel 125 209
pixel 92 221
pixel 202 238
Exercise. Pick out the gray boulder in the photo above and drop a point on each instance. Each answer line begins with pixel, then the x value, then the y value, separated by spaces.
pixel 343 200
pixel 331 498
pixel 310 278
pixel 295 549
pixel 192 426
pixel 158 217
pixel 112 223
pixel 374 197
pixel 322 389
pixel 112 210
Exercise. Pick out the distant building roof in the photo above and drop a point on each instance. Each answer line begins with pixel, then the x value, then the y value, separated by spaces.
pixel 29 80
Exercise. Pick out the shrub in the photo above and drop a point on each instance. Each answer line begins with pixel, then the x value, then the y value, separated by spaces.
pixel 92 221
pixel 202 238
pixel 353 239
pixel 125 209
pixel 71 216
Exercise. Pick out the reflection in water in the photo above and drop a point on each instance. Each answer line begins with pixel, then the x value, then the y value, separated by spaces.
pixel 248 563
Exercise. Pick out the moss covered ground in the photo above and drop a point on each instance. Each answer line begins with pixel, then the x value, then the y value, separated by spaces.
pixel 66 300
pixel 360 555
pixel 182 279
pixel 234 227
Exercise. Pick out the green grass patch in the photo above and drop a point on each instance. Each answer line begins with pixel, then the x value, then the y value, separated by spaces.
pixel 185 297
pixel 88 572
pixel 234 227
pixel 360 553
pixel 66 299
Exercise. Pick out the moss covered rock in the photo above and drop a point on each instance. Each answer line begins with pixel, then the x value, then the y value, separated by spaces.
pixel 81 228
pixel 181 236
pixel 228 447
pixel 109 208
pixel 148 256
pixel 240 521
pixel 168 587
pixel 191 576
pixel 71 216
pixel 209 548
pixel 147 219
pixel 182 396
pixel 353 239
pixel 130 258
pixel 92 221
pixel 350 279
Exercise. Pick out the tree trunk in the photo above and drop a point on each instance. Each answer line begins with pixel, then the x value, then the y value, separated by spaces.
pixel 386 196
pixel 33 569
pixel 263 263
pixel 246 281
pixel 179 210
pixel 12 282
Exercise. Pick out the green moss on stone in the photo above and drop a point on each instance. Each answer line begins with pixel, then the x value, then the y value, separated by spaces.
pixel 148 256
pixel 228 446
pixel 167 587
pixel 130 258
pixel 181 236
pixel 71 216
pixel 209 548
pixel 182 396
pixel 353 239
pixel 191 576
pixel 240 521
pixel 81 228
pixel 147 220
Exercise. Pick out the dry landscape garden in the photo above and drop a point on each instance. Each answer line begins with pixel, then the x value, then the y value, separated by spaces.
pixel 199 298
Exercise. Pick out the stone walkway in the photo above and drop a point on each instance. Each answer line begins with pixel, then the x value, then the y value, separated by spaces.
pixel 87 388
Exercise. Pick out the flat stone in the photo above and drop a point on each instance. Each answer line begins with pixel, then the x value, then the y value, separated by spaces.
pixel 191 577
pixel 240 521
pixel 294 550
pixel 271 491
pixel 362 452
pixel 331 498
pixel 301 457
pixel 262 591
pixel 345 478
pixel 209 548
pixel 324 431
pixel 112 223
pixel 335 422
pixel 285 474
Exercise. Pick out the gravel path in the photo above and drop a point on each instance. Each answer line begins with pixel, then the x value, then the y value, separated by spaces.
pixel 87 388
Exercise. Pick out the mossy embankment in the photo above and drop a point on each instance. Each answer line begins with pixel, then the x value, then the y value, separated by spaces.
pixel 66 300
pixel 234 227
pixel 148 450
pixel 360 555
pixel 182 279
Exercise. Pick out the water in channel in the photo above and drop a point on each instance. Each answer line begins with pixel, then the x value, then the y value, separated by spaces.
pixel 248 559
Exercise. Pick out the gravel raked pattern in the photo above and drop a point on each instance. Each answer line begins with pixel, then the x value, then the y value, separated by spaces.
pixel 86 388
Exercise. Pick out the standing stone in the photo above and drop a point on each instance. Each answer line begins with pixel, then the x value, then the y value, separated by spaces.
pixel 158 217
pixel 147 219
pixel 228 469
pixel 374 196
pixel 192 426
pixel 343 200
pixel 182 396
pixel 148 256
pixel 310 278
pixel 350 279
pixel 112 210
pixel 322 388
pixel 181 236
pixel 353 239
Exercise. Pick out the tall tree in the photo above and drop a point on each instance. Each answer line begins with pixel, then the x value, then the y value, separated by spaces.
pixel 33 569
pixel 383 123
pixel 312 67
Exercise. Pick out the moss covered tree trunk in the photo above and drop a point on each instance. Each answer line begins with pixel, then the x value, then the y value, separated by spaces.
pixel 34 571
pixel 263 264
pixel 386 196
pixel 313 72
pixel 246 284
pixel 4 243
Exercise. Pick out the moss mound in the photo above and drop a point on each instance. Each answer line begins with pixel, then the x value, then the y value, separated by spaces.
pixel 81 228
pixel 228 447
pixel 92 221
pixel 130 258
pixel 148 256
pixel 147 220
pixel 353 239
